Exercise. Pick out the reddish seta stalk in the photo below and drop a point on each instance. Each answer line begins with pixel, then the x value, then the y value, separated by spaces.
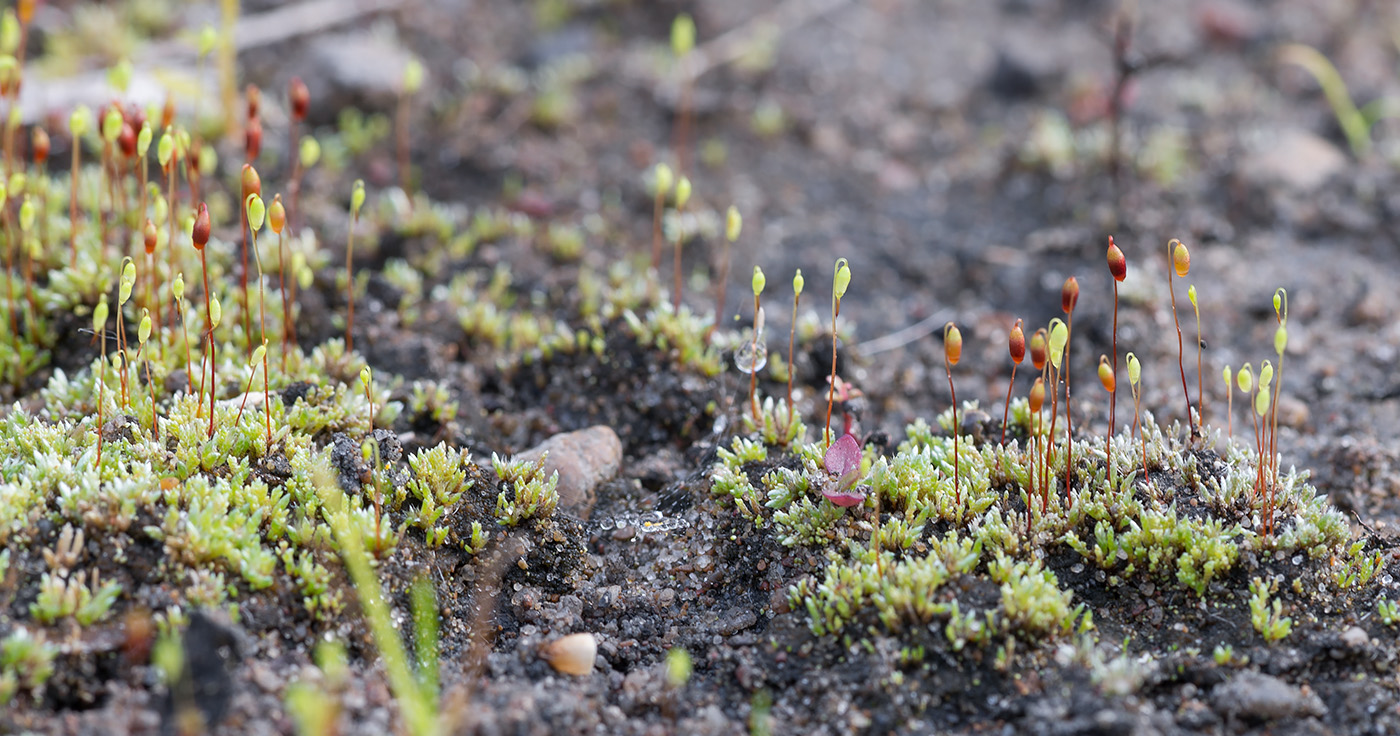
pixel 1069 296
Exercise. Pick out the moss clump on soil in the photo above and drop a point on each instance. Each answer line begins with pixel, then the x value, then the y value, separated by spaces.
pixel 1187 526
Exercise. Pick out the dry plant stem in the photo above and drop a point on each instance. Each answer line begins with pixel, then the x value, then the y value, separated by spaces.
pixel 73 207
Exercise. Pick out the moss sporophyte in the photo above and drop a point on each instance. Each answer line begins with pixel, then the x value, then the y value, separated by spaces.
pixel 1119 511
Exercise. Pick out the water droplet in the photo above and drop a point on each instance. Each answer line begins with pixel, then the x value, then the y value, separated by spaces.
pixel 751 357
pixel 1297 559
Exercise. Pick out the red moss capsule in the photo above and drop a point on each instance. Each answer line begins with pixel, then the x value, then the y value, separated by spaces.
pixel 150 236
pixel 25 11
pixel 300 98
pixel 1117 262
pixel 252 138
pixel 1069 294
pixel 167 113
pixel 252 183
pixel 200 233
pixel 127 140
pixel 1017 343
pixel 1106 377
pixel 1181 258
pixel 1037 396
pixel 1039 349
pixel 41 146
pixel 952 344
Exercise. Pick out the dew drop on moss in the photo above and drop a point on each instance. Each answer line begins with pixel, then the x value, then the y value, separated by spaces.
pixel 751 357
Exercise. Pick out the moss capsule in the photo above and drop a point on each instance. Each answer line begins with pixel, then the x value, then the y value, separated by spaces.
pixel 1117 262
pixel 1016 343
pixel 733 223
pixel 1069 295
pixel 1039 349
pixel 1181 258
pixel 1106 377
pixel 200 232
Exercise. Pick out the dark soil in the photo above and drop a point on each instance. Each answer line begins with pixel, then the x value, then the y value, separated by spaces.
pixel 906 124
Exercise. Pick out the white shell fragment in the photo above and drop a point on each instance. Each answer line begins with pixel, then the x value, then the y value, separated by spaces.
pixel 573 654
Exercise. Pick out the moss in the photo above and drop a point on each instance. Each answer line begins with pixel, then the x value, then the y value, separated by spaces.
pixel 1187 528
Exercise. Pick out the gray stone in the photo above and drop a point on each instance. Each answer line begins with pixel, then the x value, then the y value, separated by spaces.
pixel 1295 159
pixel 1265 697
pixel 583 459
pixel 1355 637
pixel 360 69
